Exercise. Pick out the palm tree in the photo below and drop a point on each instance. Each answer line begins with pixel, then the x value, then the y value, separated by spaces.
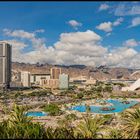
pixel 114 134
pixel 131 122
pixel 63 122
pixel 90 127
pixel 20 126
pixel 50 133
pixel 64 133
pixel 18 115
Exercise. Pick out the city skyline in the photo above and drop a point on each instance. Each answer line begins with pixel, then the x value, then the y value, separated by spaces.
pixel 68 33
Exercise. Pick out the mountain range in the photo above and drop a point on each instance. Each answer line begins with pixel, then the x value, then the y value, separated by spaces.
pixel 98 73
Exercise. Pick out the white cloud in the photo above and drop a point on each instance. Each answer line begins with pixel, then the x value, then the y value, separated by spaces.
pixel 80 45
pixel 19 33
pixel 108 34
pixel 118 21
pixel 74 48
pixel 17 49
pixel 31 36
pixel 40 31
pixel 105 26
pixel 103 7
pixel 108 26
pixel 75 24
pixel 121 57
pixel 135 22
pixel 127 9
pixel 79 37
pixel 131 43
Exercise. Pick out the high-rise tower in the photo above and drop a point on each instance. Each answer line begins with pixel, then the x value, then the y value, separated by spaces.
pixel 5 65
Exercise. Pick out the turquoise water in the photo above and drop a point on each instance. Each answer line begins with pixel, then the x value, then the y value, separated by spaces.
pixel 36 114
pixel 119 107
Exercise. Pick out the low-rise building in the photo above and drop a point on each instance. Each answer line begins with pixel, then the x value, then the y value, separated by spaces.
pixel 90 81
pixel 50 83
pixel 36 78
pixel 78 79
pixel 116 88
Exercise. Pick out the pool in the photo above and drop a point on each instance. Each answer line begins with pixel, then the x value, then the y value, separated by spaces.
pixel 36 114
pixel 117 104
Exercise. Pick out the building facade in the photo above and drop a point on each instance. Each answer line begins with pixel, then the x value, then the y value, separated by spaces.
pixel 55 72
pixel 25 79
pixel 36 78
pixel 63 81
pixel 51 83
pixel 5 65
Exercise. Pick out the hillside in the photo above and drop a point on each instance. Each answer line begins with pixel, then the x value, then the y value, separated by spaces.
pixel 100 73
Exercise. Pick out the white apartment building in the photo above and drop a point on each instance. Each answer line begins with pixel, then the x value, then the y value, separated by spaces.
pixel 25 79
pixel 37 78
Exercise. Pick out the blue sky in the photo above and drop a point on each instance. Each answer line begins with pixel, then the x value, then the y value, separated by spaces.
pixel 56 18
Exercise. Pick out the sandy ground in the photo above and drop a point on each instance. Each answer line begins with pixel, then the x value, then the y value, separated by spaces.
pixel 48 120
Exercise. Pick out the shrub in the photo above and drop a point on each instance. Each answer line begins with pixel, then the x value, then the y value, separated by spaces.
pixel 52 109
pixel 80 95
pixel 71 116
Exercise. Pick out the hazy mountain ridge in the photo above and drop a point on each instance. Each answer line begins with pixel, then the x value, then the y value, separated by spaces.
pixel 100 73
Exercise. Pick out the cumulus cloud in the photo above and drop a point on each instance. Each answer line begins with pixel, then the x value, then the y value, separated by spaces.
pixel 38 43
pixel 79 48
pixel 105 26
pixel 75 24
pixel 108 26
pixel 125 56
pixel 135 22
pixel 131 43
pixel 79 37
pixel 19 33
pixel 80 43
pixel 121 56
pixel 73 48
pixel 103 7
pixel 17 49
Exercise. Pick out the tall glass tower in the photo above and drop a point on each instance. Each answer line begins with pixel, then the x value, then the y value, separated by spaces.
pixel 5 65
